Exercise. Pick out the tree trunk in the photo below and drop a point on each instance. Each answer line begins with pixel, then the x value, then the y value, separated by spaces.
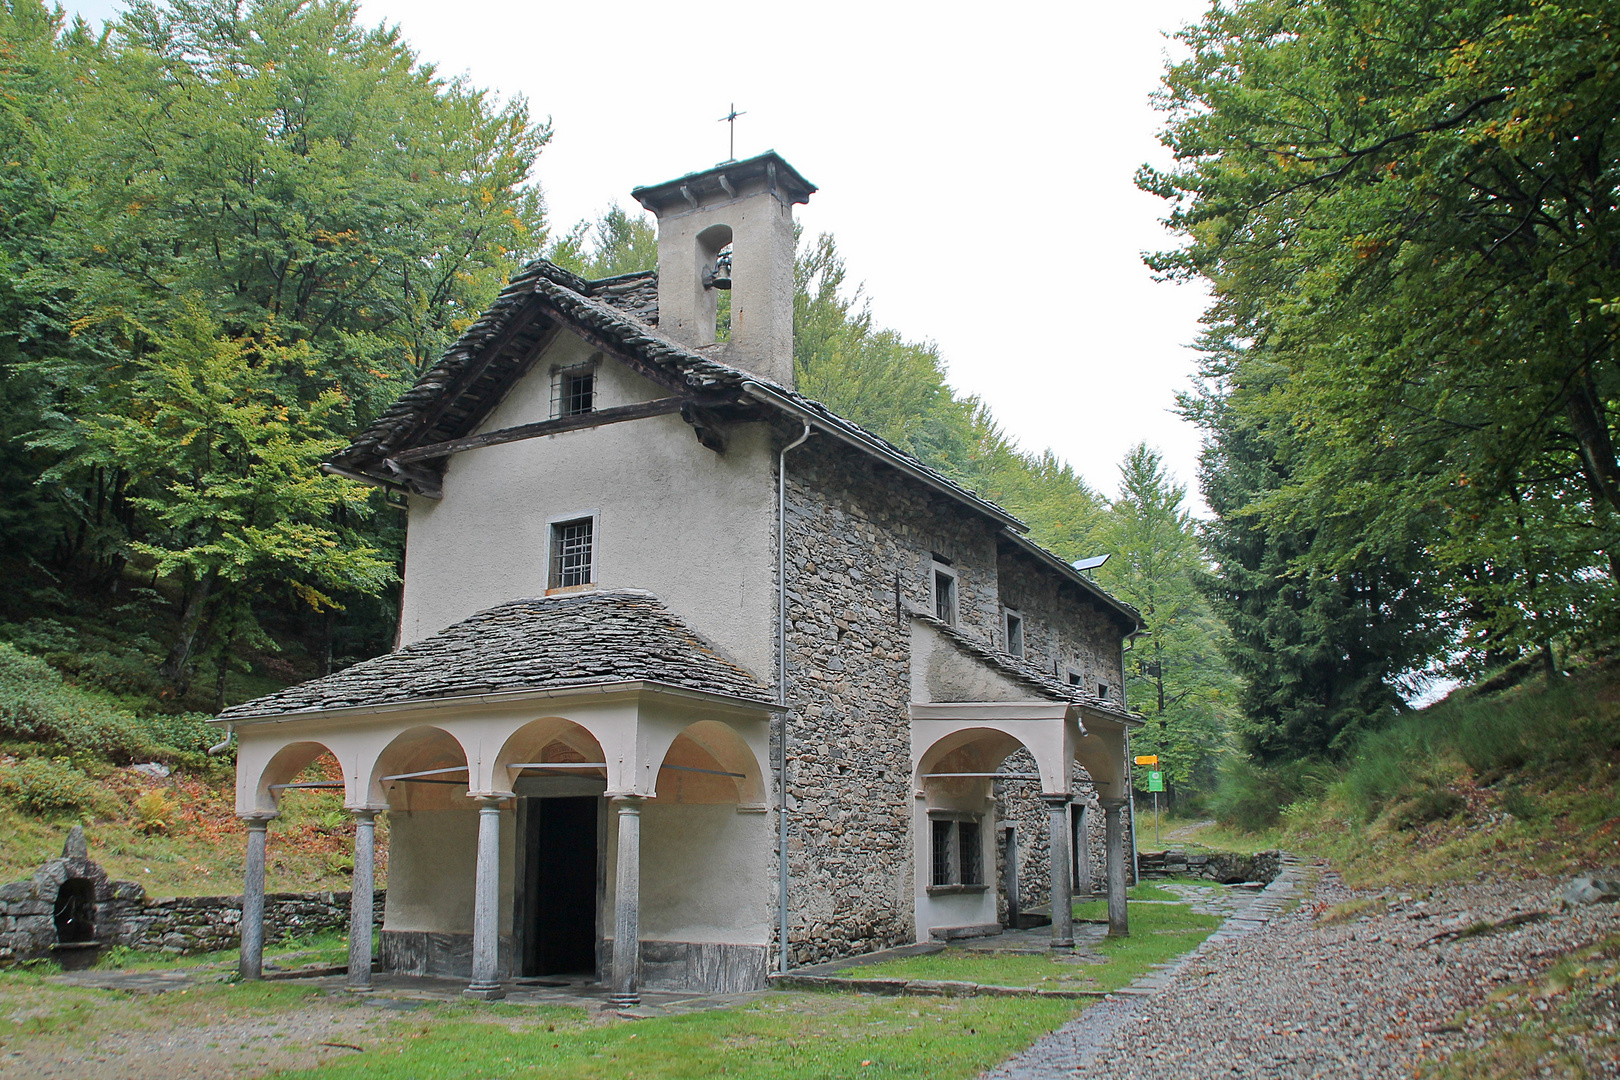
pixel 176 667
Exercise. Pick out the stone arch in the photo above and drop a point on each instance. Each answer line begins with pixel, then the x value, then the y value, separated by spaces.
pixel 283 768
pixel 550 740
pixel 418 750
pixel 967 750
pixel 708 762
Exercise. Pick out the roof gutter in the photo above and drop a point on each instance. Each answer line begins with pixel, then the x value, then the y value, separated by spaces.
pixel 761 392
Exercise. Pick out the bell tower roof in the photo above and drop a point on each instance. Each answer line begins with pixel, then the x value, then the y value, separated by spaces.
pixel 721 184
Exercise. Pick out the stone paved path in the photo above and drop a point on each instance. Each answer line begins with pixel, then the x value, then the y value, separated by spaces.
pixel 1280 993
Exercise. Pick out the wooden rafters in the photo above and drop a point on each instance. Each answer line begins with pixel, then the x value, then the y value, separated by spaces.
pixel 618 414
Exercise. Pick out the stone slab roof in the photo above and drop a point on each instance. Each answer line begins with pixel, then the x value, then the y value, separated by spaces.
pixel 1047 685
pixel 556 642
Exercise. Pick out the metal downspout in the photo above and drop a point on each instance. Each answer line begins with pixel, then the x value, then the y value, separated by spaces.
pixel 1130 766
pixel 781 700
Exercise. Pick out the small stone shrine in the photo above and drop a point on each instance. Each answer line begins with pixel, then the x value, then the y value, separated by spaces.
pixel 58 911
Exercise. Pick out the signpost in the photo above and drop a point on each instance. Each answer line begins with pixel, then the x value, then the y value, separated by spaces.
pixel 1155 785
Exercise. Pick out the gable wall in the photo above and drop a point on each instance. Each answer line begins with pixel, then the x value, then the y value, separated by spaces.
pixel 1063 628
pixel 694 527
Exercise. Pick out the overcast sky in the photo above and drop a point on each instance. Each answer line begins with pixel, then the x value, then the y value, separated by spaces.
pixel 975 163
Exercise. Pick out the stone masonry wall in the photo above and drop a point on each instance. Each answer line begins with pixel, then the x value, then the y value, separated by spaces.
pixel 125 915
pixel 859 550
pixel 1063 627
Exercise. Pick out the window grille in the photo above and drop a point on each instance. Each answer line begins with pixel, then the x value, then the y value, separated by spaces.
pixel 967 836
pixel 1015 634
pixel 573 391
pixel 942 852
pixel 571 544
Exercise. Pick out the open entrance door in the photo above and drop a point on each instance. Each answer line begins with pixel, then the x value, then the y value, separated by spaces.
pixel 557 887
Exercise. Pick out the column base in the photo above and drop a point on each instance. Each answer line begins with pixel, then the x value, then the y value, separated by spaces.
pixel 493 992
pixel 359 988
pixel 624 1001
pixel 1062 943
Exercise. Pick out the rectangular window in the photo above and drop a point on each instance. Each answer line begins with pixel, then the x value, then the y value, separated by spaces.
pixel 571 549
pixel 943 835
pixel 958 855
pixel 573 390
pixel 1075 677
pixel 944 595
pixel 1015 633
pixel 1102 691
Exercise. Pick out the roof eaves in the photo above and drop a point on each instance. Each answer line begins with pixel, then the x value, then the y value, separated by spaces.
pixel 1071 574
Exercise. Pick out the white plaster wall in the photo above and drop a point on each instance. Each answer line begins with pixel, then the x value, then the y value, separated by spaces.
pixel 954 909
pixel 432 867
pixel 707 873
pixel 695 527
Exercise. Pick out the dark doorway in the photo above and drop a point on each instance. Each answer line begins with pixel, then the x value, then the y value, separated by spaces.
pixel 556 901
pixel 75 913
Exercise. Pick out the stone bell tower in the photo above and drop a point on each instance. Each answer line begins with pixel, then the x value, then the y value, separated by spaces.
pixel 730 227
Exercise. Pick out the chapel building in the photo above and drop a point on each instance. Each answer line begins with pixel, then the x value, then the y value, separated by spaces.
pixel 688 660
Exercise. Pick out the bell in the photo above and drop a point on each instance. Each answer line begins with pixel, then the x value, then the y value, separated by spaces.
pixel 720 276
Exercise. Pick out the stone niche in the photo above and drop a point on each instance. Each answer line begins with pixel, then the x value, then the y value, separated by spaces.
pixel 60 911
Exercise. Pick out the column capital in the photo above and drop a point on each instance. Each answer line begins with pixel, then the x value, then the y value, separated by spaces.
pixel 1055 800
pixel 628 802
pixel 257 822
pixel 364 813
pixel 1112 802
pixel 490 800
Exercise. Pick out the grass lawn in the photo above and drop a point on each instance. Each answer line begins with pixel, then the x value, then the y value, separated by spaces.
pixel 287 1030
pixel 783 1037
pixel 1159 932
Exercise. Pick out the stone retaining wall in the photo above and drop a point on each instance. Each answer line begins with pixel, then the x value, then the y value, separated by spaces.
pixel 1223 866
pixel 125 915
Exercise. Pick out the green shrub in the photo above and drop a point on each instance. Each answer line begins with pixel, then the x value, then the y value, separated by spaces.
pixel 1251 796
pixel 36 706
pixel 46 787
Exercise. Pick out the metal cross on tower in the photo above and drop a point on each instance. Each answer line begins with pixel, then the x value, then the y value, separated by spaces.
pixel 731 118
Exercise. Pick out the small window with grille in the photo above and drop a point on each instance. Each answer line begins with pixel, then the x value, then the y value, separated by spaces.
pixel 573 390
pixel 944 833
pixel 957 852
pixel 572 546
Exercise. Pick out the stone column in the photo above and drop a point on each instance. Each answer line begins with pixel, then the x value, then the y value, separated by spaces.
pixel 360 900
pixel 1114 825
pixel 251 962
pixel 627 905
pixel 1082 850
pixel 486 899
pixel 1062 899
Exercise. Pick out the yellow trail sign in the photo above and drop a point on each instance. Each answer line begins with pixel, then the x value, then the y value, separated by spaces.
pixel 1150 759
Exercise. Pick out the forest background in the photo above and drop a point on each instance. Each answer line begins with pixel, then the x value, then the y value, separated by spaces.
pixel 232 233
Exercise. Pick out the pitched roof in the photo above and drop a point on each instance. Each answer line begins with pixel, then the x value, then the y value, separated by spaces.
pixel 452 398
pixel 556 642
pixel 1047 685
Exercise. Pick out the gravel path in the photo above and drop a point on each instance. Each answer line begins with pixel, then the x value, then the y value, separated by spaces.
pixel 1298 996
